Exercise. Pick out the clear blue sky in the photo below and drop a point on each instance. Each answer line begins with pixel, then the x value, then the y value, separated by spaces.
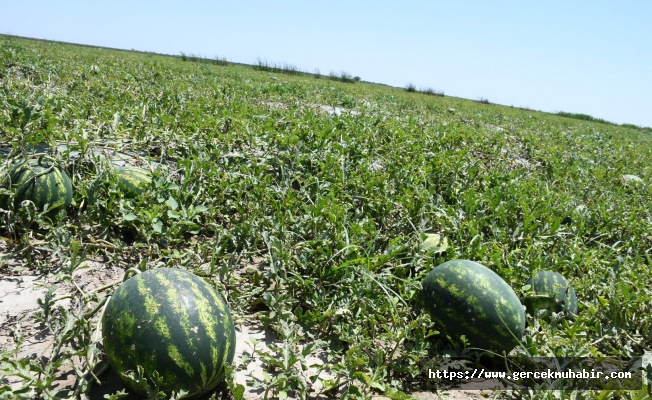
pixel 592 57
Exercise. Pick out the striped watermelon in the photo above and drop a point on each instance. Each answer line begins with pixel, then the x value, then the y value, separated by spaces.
pixel 467 298
pixel 552 293
pixel 171 322
pixel 132 180
pixel 43 182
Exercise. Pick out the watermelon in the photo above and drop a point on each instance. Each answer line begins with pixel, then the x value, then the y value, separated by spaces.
pixel 169 322
pixel 553 293
pixel 42 182
pixel 132 180
pixel 467 298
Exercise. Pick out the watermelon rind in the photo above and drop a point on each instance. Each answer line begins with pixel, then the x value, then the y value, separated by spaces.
pixel 466 298
pixel 133 180
pixel 41 181
pixel 552 293
pixel 172 324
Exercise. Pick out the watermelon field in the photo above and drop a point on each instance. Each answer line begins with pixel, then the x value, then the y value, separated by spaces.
pixel 316 207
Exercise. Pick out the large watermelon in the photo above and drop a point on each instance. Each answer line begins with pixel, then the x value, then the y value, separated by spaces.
pixel 172 322
pixel 552 293
pixel 132 180
pixel 43 182
pixel 467 298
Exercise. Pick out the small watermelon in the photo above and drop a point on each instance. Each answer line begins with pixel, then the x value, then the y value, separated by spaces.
pixel 42 182
pixel 467 298
pixel 132 180
pixel 171 322
pixel 552 293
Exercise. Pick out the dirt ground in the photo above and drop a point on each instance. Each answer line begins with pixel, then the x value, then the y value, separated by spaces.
pixel 19 295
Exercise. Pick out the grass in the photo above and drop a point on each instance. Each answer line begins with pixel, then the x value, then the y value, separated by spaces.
pixel 264 65
pixel 431 92
pixel 328 209
pixel 201 59
pixel 411 88
pixel 288 69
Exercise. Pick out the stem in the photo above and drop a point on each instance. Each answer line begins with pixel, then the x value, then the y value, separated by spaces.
pixel 89 380
pixel 66 296
pixel 391 355
pixel 101 245
pixel 92 312
pixel 99 289
pixel 79 289
pixel 134 270
pixel 269 387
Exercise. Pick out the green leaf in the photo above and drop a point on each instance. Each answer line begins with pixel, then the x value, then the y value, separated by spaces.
pixel 192 227
pixel 117 395
pixel 238 391
pixel 130 217
pixel 172 203
pixel 200 208
pixel 539 302
pixel 362 377
pixel 157 226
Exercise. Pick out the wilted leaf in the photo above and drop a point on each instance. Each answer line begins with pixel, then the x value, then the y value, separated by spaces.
pixel 433 243
pixel 632 179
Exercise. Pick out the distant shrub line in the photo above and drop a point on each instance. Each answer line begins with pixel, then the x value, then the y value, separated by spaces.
pixel 586 117
pixel 284 68
pixel 343 77
pixel 411 88
pixel 202 59
pixel 288 69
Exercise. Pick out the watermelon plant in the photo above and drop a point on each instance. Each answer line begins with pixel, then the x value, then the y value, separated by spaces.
pixel 552 293
pixel 173 328
pixel 132 180
pixel 309 215
pixel 42 182
pixel 467 298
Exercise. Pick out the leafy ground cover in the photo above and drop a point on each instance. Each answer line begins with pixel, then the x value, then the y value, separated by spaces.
pixel 304 202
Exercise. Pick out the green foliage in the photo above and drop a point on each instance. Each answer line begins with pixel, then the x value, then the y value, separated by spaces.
pixel 431 92
pixel 311 222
